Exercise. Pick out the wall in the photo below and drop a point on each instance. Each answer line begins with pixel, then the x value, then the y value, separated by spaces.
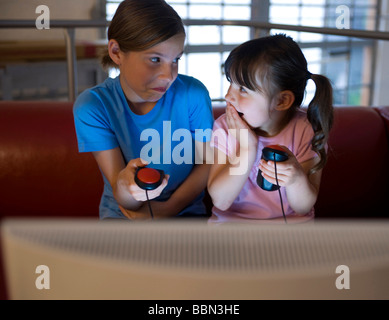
pixel 59 9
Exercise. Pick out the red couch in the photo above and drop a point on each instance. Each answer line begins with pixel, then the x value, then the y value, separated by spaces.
pixel 42 173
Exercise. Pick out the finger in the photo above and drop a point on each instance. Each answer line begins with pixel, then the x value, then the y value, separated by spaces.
pixel 270 171
pixel 282 167
pixel 138 162
pixel 152 194
pixel 234 117
pixel 267 166
pixel 137 193
pixel 230 118
pixel 157 192
pixel 280 180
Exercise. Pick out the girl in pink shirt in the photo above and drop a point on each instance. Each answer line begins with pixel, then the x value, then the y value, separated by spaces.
pixel 268 77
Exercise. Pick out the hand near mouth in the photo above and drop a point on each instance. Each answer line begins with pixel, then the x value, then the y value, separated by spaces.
pixel 236 122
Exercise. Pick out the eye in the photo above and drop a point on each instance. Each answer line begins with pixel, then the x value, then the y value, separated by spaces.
pixel 176 60
pixel 242 89
pixel 155 59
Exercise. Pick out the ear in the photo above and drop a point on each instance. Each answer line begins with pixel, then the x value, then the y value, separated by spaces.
pixel 285 100
pixel 114 51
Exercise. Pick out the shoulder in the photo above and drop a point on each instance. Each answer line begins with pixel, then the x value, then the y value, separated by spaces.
pixel 300 121
pixel 86 103
pixel 301 133
pixel 97 99
pixel 190 84
pixel 194 95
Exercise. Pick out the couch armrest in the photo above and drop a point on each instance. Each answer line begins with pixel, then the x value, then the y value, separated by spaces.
pixel 355 179
pixel 384 113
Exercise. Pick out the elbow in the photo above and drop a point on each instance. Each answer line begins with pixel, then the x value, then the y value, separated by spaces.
pixel 219 201
pixel 303 203
pixel 218 196
pixel 221 205
pixel 302 212
pixel 303 209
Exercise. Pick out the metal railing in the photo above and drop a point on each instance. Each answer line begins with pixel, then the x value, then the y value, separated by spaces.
pixel 69 27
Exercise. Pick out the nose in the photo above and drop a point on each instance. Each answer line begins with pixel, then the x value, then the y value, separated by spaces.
pixel 168 72
pixel 229 95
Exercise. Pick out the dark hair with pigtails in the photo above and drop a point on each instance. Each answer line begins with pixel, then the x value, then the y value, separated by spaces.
pixel 320 115
pixel 276 63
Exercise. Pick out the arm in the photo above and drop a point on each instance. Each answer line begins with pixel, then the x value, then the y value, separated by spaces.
pixel 225 187
pixel 227 180
pixel 121 178
pixel 303 193
pixel 301 188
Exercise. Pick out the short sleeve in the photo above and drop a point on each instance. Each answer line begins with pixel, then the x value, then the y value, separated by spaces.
pixel 304 150
pixel 200 111
pixel 93 129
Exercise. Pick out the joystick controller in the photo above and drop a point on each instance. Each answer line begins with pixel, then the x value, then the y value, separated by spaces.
pixel 271 153
pixel 149 178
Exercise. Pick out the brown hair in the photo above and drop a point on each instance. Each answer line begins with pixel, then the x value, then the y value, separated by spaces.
pixel 276 63
pixel 141 24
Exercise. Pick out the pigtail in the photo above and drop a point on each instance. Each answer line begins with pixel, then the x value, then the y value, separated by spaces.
pixel 320 115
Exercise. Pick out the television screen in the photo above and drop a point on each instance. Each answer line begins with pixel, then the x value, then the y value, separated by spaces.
pixel 89 259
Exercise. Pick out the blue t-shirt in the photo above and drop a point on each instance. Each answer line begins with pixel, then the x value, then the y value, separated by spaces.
pixel 164 136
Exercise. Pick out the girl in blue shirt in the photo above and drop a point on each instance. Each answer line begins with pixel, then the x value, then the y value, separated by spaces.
pixel 148 115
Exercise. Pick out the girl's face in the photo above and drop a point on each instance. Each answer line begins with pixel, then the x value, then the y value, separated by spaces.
pixel 254 105
pixel 145 76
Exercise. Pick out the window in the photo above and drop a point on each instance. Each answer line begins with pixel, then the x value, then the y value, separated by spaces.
pixel 205 55
pixel 346 61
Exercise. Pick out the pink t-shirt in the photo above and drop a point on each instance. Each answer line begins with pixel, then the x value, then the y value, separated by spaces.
pixel 253 203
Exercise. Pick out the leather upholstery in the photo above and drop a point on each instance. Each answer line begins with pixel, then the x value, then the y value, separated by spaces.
pixel 42 173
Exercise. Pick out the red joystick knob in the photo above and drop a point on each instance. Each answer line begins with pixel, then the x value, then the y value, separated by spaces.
pixel 275 146
pixel 148 175
pixel 149 178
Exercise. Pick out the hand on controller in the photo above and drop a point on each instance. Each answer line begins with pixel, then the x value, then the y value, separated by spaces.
pixel 127 184
pixel 149 179
pixel 271 153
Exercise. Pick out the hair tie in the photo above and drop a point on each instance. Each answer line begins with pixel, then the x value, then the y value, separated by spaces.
pixel 309 75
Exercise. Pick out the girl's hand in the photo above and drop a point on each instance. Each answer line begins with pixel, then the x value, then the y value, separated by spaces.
pixel 235 122
pixel 161 209
pixel 126 180
pixel 288 172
